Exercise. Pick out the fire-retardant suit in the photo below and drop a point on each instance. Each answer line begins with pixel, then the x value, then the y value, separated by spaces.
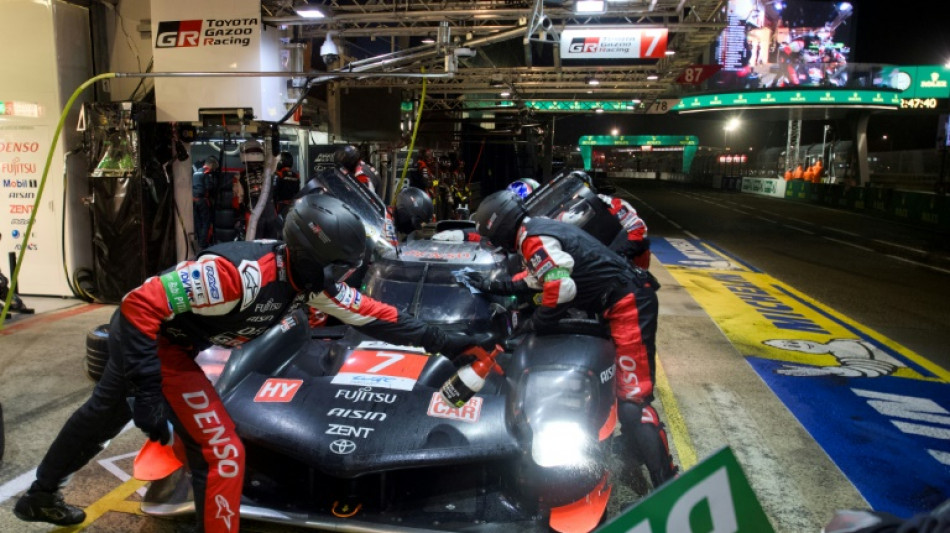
pixel 632 242
pixel 574 270
pixel 229 295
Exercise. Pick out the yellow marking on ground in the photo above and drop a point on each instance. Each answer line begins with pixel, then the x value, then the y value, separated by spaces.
pixel 113 501
pixel 674 420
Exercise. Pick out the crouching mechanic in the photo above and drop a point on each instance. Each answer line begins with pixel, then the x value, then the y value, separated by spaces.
pixel 573 269
pixel 230 294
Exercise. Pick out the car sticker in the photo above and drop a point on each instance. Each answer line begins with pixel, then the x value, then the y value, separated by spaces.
pixel 277 390
pixel 389 369
pixel 470 412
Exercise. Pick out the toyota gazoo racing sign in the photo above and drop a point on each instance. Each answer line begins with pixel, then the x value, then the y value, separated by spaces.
pixel 627 42
pixel 205 32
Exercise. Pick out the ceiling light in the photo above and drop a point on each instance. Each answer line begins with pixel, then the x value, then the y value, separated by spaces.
pixel 598 110
pixel 589 6
pixel 428 40
pixel 309 12
pixel 593 81
pixel 652 77
pixel 636 100
pixel 504 94
pixel 670 52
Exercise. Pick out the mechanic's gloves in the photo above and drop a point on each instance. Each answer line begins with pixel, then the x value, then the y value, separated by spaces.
pixel 456 343
pixel 498 286
pixel 149 415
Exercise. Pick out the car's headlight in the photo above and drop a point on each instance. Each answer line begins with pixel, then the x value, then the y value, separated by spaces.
pixel 557 404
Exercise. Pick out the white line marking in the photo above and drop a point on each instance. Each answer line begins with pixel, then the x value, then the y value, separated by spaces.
pixel 690 234
pixel 836 230
pixel 851 244
pixel 801 221
pixel 892 243
pixel 768 220
pixel 796 228
pixel 109 464
pixel 915 263
pixel 17 485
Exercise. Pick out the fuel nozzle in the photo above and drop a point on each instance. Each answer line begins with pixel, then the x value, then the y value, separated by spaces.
pixel 469 379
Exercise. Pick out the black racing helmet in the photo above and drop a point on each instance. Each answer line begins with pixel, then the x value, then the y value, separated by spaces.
pixel 498 217
pixel 347 157
pixel 584 177
pixel 413 209
pixel 286 160
pixel 325 239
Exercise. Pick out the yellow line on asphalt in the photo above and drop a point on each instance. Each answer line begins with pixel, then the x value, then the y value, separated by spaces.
pixel 113 501
pixel 674 420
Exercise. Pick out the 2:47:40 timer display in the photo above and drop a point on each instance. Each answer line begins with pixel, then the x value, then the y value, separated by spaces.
pixel 919 103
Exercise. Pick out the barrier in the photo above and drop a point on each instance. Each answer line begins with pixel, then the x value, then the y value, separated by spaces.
pixel 918 208
pixel 774 187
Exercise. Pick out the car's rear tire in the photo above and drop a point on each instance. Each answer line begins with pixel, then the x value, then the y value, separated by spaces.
pixel 97 352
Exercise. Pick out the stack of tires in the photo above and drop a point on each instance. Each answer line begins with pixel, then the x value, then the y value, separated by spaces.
pixel 97 352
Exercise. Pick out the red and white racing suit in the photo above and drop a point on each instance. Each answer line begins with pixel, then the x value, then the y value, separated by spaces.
pixel 230 294
pixel 633 243
pixel 573 269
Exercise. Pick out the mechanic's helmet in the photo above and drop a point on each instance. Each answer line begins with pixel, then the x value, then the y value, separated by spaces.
pixel 584 177
pixel 522 188
pixel 252 152
pixel 498 217
pixel 211 163
pixel 413 209
pixel 325 239
pixel 286 160
pixel 347 157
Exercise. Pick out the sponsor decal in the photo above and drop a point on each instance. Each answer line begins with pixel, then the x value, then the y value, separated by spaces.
pixel 470 412
pixel 228 339
pixel 29 147
pixel 208 421
pixel 20 222
pixel 608 374
pixel 257 319
pixel 381 368
pixel 250 273
pixel 15 167
pixel 342 447
pixel 175 292
pixel 211 277
pixel 193 287
pixel 15 234
pixel 278 390
pixel 31 247
pixel 21 195
pixel 224 510
pixel 366 394
pixel 540 262
pixel 269 305
pixel 345 295
pixel 21 209
pixel 19 184
pixel 343 430
pixel 358 414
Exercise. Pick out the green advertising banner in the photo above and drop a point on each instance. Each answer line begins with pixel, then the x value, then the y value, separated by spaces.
pixel 805 97
pixel 924 81
pixel 712 496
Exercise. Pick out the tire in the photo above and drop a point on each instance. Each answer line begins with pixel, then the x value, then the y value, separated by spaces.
pixel 97 352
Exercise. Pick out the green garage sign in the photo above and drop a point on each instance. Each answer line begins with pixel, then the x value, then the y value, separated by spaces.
pixel 713 496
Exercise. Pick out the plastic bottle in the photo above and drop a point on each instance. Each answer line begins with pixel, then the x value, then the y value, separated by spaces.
pixel 470 379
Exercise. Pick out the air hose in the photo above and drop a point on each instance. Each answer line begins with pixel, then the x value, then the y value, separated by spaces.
pixel 412 141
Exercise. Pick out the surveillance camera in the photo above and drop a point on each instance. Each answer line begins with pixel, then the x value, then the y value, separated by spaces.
pixel 329 51
pixel 464 52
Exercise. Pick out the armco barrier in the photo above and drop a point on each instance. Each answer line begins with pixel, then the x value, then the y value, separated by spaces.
pixel 921 209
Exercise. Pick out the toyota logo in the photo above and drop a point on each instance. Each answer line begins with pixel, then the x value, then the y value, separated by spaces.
pixel 342 446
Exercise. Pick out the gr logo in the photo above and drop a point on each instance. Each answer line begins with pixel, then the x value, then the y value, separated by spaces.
pixel 581 45
pixel 178 33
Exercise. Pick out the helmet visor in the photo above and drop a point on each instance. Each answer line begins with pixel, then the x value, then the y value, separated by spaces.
pixel 339 271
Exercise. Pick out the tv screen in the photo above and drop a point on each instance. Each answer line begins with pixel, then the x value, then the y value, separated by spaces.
pixel 773 44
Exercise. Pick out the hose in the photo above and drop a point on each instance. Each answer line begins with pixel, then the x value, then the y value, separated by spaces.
pixel 412 141
pixel 39 191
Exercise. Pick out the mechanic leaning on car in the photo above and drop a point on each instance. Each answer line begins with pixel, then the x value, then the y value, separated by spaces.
pixel 572 269
pixel 230 294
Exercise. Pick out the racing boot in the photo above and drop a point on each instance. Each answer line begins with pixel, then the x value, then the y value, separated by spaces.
pixel 644 436
pixel 37 505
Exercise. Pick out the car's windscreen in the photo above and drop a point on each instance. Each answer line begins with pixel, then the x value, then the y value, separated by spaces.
pixel 552 198
pixel 366 204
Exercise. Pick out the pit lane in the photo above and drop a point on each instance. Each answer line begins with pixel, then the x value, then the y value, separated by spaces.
pixel 714 397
